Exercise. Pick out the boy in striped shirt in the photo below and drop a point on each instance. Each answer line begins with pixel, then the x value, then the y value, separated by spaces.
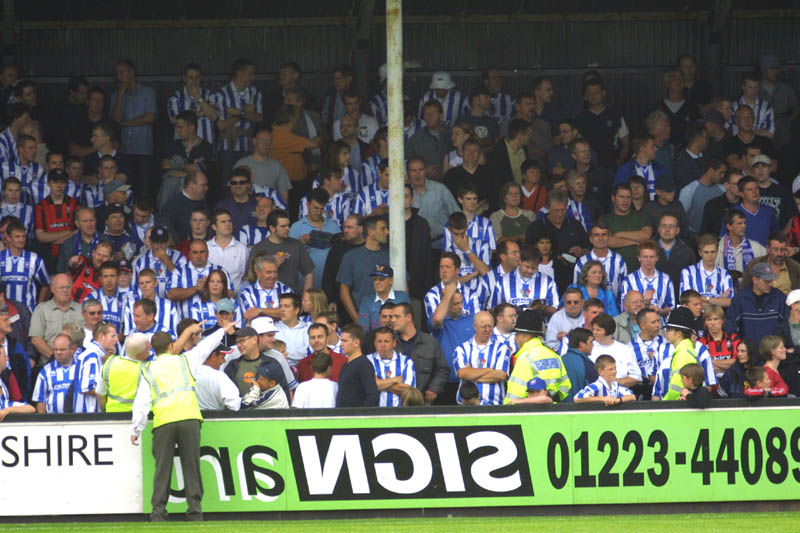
pixel 656 286
pixel 475 254
pixel 374 198
pixel 605 389
pixel 109 295
pixel 199 100
pixel 483 361
pixel 764 116
pixel 527 287
pixel 395 372
pixel 714 283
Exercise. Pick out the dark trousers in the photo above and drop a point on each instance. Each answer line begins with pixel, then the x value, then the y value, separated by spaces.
pixel 186 435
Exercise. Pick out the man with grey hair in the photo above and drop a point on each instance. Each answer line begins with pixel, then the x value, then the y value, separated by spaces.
pixel 658 127
pixel 262 298
pixel 627 327
pixel 92 312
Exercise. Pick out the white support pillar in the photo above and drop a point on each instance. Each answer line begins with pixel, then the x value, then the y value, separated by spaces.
pixel 397 172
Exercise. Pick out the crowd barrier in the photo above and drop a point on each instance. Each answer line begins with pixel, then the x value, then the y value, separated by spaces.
pixel 324 460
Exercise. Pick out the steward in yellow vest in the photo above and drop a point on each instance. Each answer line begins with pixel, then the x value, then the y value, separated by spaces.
pixel 680 326
pixel 121 374
pixel 535 360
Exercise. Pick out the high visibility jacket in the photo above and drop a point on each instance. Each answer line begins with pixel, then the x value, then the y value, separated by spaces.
pixel 121 376
pixel 683 355
pixel 535 360
pixel 172 389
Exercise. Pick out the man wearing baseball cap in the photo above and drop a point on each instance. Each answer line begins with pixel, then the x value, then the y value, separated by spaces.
pixel 771 193
pixel 160 258
pixel 756 311
pixel 215 390
pixel 266 391
pixel 535 360
pixel 370 308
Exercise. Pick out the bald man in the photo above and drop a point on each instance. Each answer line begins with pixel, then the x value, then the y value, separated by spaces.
pixel 49 317
pixel 483 361
pixel 627 328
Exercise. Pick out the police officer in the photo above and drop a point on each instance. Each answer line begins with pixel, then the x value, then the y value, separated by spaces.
pixel 535 360
pixel 168 386
pixel 680 324
pixel 120 375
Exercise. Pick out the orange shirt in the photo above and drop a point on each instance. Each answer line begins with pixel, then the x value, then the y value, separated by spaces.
pixel 287 148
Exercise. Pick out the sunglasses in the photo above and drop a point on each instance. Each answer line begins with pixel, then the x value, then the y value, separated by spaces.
pixel 239 182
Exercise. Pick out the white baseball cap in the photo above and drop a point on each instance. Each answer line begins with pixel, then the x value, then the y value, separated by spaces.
pixel 263 324
pixel 762 159
pixel 793 297
pixel 442 80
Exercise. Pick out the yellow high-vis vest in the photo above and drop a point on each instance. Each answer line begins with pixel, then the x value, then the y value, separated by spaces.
pixel 683 355
pixel 121 376
pixel 535 360
pixel 172 389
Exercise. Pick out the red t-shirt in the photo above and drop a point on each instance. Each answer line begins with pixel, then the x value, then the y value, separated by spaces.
pixel 305 372
pixel 725 348
pixel 53 218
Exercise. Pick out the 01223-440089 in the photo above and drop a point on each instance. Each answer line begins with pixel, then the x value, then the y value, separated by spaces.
pixel 732 452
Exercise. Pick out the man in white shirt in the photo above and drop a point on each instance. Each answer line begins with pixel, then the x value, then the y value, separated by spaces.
pixel 565 319
pixel 225 251
pixel 318 391
pixel 290 330
pixel 367 125
pixel 215 390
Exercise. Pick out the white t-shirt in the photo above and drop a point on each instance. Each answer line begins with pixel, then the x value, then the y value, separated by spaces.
pixel 316 392
pixel 624 357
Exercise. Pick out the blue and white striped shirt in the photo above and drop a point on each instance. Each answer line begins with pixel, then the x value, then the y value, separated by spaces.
pixel 339 207
pixel 411 129
pixel 113 306
pixel 398 365
pixel 379 104
pixel 491 285
pixel 369 198
pixel 22 211
pixel 251 234
pixel 578 212
pixel 207 310
pixel 148 260
pixel 352 179
pixel 369 169
pixel 473 299
pixel 254 295
pixel 89 363
pixel 5 398
pixel 182 101
pixel 187 275
pixel 764 115
pixel 230 97
pixel 8 147
pixel 269 192
pixel 711 284
pixel 92 195
pixel 601 388
pixel 509 339
pixel 28 174
pixel 492 355
pixel 479 227
pixel 53 383
pixel 453 104
pixel 647 353
pixel 479 247
pixel 21 274
pixel 613 264
pixel 166 318
pixel 663 291
pixel 519 291
pixel 501 107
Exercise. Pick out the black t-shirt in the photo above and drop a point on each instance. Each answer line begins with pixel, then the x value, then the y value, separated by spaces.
pixel 457 176
pixel 734 145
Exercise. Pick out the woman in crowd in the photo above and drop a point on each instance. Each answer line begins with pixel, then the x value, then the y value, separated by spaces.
pixel 313 303
pixel 458 136
pixel 773 352
pixel 592 282
pixel 205 307
pixel 722 345
pixel 731 384
pixel 511 222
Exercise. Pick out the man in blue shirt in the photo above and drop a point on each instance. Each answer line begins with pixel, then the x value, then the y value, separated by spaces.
pixel 580 368
pixel 315 232
pixel 133 107
pixel 451 328
pixel 358 263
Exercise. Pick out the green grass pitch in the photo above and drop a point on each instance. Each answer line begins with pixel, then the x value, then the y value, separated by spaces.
pixel 784 522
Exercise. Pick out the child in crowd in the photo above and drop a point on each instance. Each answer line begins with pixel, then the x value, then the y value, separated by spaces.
pixel 319 391
pixel 693 391
pixel 266 392
pixel 469 393
pixel 537 392
pixel 280 346
pixel 605 389
pixel 758 384
pixel 412 397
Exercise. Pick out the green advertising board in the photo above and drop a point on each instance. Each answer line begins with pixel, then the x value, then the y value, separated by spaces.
pixel 515 459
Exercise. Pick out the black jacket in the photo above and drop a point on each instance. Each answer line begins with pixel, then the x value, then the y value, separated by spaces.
pixel 430 365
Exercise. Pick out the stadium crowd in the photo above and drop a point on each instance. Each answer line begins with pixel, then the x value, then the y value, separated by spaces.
pixel 553 255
